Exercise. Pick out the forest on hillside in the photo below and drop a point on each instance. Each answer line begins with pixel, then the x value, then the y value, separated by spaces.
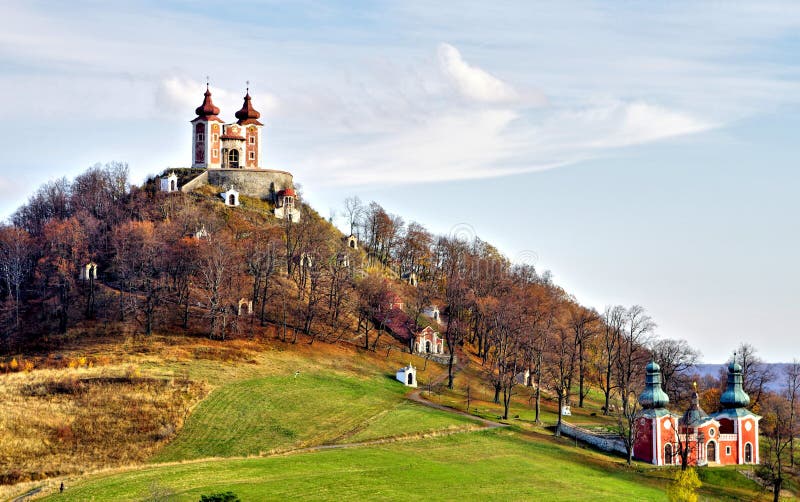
pixel 99 251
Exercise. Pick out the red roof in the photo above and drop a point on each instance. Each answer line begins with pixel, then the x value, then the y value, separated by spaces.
pixel 231 136
pixel 287 192
pixel 248 114
pixel 207 109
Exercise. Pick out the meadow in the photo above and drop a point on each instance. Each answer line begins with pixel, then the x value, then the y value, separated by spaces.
pixel 323 422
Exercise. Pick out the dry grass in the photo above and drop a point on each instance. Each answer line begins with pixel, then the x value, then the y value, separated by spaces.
pixel 64 421
pixel 101 402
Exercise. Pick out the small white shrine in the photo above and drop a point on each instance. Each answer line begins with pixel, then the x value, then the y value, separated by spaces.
pixel 352 241
pixel 245 307
pixel 170 183
pixel 408 376
pixel 231 197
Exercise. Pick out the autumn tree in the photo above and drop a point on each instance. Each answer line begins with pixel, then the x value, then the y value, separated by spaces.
pixel 50 202
pixel 139 255
pixel 65 250
pixel 373 303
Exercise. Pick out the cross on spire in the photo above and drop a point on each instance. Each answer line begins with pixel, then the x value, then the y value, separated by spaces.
pixel 248 85
pixel 207 79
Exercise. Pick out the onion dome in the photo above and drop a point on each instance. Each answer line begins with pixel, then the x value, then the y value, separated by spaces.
pixel 207 109
pixel 653 396
pixel 695 416
pixel 248 114
pixel 734 395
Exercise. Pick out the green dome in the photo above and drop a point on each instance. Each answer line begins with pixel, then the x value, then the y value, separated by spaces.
pixel 734 395
pixel 695 416
pixel 653 396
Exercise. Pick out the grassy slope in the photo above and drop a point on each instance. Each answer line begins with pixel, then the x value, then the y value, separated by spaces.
pixel 344 395
pixel 493 465
pixel 273 413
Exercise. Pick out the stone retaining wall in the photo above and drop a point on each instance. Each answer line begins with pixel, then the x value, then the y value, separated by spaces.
pixel 197 182
pixel 259 183
pixel 607 442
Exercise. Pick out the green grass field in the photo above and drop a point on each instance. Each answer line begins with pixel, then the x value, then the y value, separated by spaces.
pixel 240 438
pixel 489 465
pixel 262 415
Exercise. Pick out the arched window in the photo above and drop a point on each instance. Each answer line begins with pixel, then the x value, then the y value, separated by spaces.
pixel 668 454
pixel 748 453
pixel 172 187
pixel 711 451
pixel 232 200
pixel 233 158
pixel 410 379
pixel 427 346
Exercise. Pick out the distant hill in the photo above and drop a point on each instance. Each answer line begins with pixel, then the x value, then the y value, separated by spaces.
pixel 778 369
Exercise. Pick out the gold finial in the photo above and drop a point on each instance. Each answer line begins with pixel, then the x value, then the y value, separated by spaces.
pixel 695 385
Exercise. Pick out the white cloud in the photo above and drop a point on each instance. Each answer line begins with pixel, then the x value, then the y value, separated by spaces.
pixel 471 81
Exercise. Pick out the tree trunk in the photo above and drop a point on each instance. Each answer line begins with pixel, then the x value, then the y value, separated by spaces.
pixel 581 376
pixel 560 407
pixel 450 363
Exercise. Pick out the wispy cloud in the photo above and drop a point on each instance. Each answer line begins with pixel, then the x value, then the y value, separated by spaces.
pixel 471 81
pixel 442 103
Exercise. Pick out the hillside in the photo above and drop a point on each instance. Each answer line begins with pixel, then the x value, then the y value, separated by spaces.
pixel 265 431
pixel 220 348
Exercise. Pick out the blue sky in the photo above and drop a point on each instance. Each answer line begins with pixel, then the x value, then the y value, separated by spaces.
pixel 643 152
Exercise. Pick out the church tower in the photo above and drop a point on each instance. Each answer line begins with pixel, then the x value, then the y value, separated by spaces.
pixel 247 118
pixel 206 128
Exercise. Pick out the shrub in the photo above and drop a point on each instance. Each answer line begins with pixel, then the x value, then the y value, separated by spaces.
pixel 14 365
pixel 220 497
pixel 684 487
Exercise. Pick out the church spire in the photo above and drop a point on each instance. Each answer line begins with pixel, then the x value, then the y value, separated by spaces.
pixel 207 110
pixel 247 114
pixel 653 396
pixel 734 395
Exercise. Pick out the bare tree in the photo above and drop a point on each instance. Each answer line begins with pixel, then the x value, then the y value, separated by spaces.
pixel 756 374
pixel 354 211
pixel 217 269
pixel 15 265
pixel 561 367
pixel 792 394
pixel 613 324
pixel 630 361
pixel 676 358
pixel 583 324
pixel 778 429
